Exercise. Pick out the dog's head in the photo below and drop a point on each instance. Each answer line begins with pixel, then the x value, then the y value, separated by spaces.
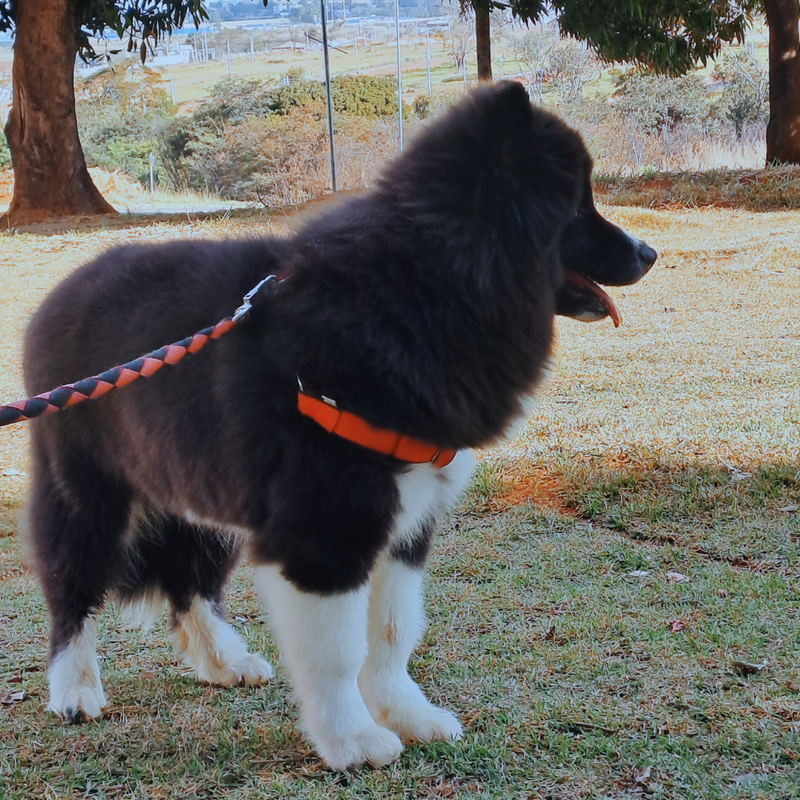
pixel 594 251
pixel 501 181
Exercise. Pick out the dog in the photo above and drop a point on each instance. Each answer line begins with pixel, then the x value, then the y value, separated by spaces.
pixel 422 309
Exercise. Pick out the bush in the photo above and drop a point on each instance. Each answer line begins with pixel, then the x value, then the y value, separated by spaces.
pixel 745 90
pixel 233 100
pixel 5 153
pixel 120 121
pixel 253 140
pixel 657 103
pixel 276 160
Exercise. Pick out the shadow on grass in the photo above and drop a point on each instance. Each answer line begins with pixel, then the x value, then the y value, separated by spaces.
pixel 747 516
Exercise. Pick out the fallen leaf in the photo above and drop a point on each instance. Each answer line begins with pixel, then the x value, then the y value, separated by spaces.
pixel 12 473
pixel 742 779
pixel 790 508
pixel 792 686
pixel 638 573
pixel 676 625
pixel 677 577
pixel 744 668
pixel 643 777
pixel 11 698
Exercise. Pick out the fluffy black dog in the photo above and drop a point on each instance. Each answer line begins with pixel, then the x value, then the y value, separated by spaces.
pixel 424 307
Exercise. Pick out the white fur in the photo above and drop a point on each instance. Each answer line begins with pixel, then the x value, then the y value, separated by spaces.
pixel 427 492
pixel 76 692
pixel 527 403
pixel 323 643
pixel 213 649
pixel 396 623
pixel 144 610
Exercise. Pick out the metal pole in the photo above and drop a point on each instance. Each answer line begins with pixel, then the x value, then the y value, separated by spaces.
pixel 399 73
pixel 428 59
pixel 169 67
pixel 328 93
pixel 230 71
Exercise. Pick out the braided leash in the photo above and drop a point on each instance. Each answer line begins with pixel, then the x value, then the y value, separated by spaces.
pixel 115 378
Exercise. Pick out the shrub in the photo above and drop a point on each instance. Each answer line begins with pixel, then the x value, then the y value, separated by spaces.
pixel 5 153
pixel 233 100
pixel 253 140
pixel 745 89
pixel 120 120
pixel 276 160
pixel 658 103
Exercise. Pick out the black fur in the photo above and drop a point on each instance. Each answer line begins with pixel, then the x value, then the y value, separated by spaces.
pixel 425 306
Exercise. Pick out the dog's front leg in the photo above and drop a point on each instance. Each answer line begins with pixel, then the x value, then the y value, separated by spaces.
pixel 323 642
pixel 396 623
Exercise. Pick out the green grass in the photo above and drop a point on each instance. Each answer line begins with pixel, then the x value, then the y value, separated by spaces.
pixel 564 667
pixel 768 189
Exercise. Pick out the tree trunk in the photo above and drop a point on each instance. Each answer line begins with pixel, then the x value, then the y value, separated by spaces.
pixel 483 42
pixel 783 129
pixel 50 175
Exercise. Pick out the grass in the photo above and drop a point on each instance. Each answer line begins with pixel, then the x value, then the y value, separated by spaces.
pixel 591 599
pixel 769 189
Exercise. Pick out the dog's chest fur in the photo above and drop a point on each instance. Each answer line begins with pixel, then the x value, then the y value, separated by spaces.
pixel 425 492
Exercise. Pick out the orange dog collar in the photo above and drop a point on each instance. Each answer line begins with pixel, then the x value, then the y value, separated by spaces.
pixel 359 431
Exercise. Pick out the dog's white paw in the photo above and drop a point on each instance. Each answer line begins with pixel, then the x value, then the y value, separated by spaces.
pixel 76 693
pixel 250 670
pixel 397 703
pixel 420 722
pixel 374 745
pixel 213 649
pixel 75 702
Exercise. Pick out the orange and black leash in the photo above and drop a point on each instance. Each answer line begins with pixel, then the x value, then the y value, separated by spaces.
pixel 323 411
pixel 123 375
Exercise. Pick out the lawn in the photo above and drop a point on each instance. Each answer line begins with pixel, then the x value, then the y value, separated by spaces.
pixel 614 606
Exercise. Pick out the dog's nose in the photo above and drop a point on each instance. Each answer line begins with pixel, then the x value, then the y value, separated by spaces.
pixel 646 255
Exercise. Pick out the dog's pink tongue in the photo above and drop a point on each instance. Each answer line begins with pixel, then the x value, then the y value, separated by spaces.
pixel 598 292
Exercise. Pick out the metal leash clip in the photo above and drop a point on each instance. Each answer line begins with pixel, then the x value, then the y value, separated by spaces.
pixel 270 281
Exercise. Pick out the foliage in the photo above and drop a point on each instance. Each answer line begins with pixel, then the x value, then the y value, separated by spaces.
pixel 532 53
pixel 746 87
pixel 572 67
pixel 233 100
pixel 658 103
pixel 668 36
pixel 5 153
pixel 120 120
pixel 255 140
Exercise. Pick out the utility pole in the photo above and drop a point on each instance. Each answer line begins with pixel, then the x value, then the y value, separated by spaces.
pixel 328 93
pixel 399 73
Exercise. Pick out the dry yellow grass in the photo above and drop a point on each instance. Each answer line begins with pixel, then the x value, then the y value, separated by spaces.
pixel 703 369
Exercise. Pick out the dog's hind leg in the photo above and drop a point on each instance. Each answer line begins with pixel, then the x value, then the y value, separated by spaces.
pixel 76 522
pixel 190 564
pixel 323 641
pixel 396 623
